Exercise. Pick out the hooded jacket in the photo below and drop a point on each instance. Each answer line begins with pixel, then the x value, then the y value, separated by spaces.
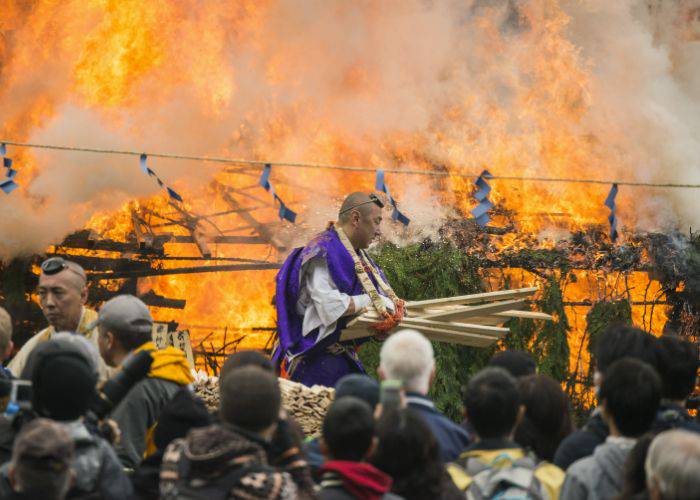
pixel 137 414
pixel 342 480
pixel 222 456
pixel 600 476
pixel 581 443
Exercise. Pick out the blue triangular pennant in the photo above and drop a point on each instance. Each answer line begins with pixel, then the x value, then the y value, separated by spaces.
pixel 380 185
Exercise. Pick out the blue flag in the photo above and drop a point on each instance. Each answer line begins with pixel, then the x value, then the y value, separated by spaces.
pixel 380 185
pixel 481 211
pixel 612 218
pixel 143 162
pixel 284 212
pixel 8 184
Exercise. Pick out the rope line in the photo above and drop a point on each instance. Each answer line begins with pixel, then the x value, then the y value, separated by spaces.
pixel 352 168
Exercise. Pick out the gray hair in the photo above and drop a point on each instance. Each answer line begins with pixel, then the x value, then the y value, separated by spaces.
pixel 672 464
pixel 408 356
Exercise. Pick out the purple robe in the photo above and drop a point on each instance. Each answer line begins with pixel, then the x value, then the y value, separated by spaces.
pixel 316 364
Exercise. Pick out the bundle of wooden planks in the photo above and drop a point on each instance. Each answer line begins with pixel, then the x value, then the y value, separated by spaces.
pixel 473 320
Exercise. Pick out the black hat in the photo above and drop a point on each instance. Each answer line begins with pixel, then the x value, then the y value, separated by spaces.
pixel 63 379
pixel 360 386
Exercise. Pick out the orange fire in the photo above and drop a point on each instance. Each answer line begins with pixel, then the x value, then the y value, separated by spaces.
pixel 380 84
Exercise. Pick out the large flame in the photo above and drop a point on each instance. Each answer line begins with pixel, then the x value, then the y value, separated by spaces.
pixel 540 88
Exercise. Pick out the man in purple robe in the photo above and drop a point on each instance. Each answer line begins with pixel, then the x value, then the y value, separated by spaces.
pixel 319 292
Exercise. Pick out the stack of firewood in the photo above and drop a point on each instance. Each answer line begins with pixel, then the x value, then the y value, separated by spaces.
pixel 306 405
pixel 207 388
pixel 474 320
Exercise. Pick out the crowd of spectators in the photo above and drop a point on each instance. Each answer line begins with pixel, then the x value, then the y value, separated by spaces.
pixel 107 415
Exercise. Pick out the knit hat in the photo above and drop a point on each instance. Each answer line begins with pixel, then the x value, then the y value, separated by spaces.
pixel 63 380
pixel 359 386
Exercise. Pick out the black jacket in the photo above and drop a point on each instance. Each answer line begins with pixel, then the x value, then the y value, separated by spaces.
pixel 581 443
pixel 137 413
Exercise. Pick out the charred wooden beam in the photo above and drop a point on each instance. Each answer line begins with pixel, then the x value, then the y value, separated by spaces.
pixel 91 263
pixel 140 273
pixel 264 230
pixel 236 240
pixel 82 240
pixel 192 224
pixel 203 217
pixel 151 298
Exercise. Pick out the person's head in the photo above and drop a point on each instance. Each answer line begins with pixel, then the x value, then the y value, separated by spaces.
pixel 678 367
pixel 623 341
pixel 492 403
pixel 41 460
pixel 62 293
pixel 360 216
pixel 124 323
pixel 408 451
pixel 546 421
pixel 64 377
pixel 408 356
pixel 251 400
pixel 348 430
pixel 672 465
pixel 360 386
pixel 246 357
pixel 6 344
pixel 517 363
pixel 630 394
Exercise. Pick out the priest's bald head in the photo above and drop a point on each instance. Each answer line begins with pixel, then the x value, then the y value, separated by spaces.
pixel 360 216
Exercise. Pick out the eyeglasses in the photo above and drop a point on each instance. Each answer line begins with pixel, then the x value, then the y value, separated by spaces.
pixel 373 198
pixel 54 265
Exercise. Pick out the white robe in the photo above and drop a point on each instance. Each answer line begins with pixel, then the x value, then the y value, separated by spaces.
pixel 322 304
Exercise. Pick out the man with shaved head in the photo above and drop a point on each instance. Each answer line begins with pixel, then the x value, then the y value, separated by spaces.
pixel 322 286
pixel 62 294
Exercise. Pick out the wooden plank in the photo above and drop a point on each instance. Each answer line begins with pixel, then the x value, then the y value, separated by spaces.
pixel 181 340
pixel 499 318
pixel 461 327
pixel 159 335
pixel 432 333
pixel 488 320
pixel 459 339
pixel 463 313
pixel 474 299
pixel 418 323
pixel 526 315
